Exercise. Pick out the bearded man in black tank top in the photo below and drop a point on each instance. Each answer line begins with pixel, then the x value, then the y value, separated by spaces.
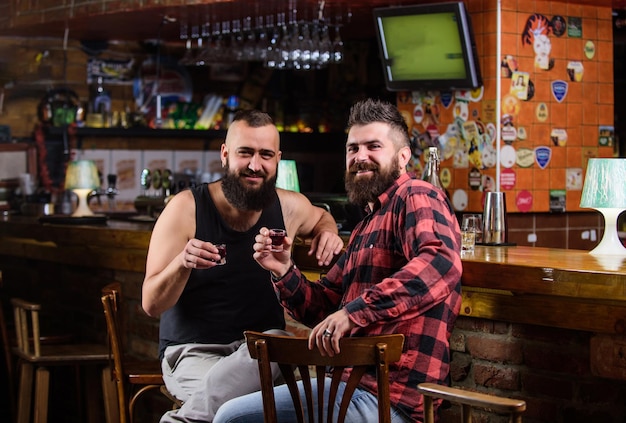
pixel 205 307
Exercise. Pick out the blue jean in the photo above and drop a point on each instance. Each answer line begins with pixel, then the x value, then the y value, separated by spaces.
pixel 363 407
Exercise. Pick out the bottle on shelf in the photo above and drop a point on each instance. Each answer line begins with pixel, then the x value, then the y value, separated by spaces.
pixel 231 107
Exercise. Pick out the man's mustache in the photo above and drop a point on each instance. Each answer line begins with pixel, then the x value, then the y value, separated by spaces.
pixel 358 167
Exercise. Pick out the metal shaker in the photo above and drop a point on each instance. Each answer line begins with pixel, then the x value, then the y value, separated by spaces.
pixel 494 219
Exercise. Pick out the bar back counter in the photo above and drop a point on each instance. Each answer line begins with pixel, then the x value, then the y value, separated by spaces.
pixel 544 325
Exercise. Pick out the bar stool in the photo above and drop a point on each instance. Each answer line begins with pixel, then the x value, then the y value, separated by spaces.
pixel 36 358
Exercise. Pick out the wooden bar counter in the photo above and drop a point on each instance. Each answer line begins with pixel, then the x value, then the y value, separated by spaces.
pixel 551 287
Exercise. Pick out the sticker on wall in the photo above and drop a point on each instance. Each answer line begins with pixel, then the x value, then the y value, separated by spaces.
pixel 474 177
pixel 474 156
pixel 558 137
pixel 510 105
pixel 574 179
pixel 446 99
pixel 557 200
pixel 521 133
pixel 508 133
pixel 462 95
pixel 559 89
pixel 541 112
pixel 508 156
pixel 525 157
pixel 574 27
pixel 508 65
pixel 487 184
pixel 524 201
pixel 476 94
pixel 490 129
pixel 559 25
pixel 488 155
pixel 461 110
pixel 590 49
pixel 433 131
pixel 470 131
pixel 489 110
pixel 507 179
pixel 460 160
pixel 536 33
pixel 543 156
pixel 575 71
pixel 607 135
pixel 445 176
pixel 459 199
pixel 418 114
pixel 519 85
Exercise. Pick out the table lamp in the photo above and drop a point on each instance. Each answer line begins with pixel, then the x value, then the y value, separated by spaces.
pixel 82 178
pixel 287 177
pixel 605 191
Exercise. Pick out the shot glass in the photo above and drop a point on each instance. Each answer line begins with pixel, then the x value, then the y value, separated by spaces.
pixel 469 227
pixel 277 236
pixel 221 249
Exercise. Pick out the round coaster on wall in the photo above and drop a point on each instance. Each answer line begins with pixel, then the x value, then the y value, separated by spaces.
pixel 508 156
pixel 590 49
pixel 459 200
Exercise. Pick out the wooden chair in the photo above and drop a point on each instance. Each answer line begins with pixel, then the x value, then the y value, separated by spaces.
pixel 468 400
pixel 8 359
pixel 292 353
pixel 132 377
pixel 32 354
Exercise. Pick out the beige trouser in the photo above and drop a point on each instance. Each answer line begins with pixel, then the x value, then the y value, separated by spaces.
pixel 204 376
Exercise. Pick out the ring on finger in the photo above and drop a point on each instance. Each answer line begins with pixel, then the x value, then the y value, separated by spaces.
pixel 327 333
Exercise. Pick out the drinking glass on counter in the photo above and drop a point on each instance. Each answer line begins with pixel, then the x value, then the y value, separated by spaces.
pixel 479 225
pixel 469 228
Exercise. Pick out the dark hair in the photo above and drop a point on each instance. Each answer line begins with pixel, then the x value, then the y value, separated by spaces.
pixel 369 111
pixel 254 118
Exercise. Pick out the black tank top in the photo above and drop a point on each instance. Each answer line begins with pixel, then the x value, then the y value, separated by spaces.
pixel 219 303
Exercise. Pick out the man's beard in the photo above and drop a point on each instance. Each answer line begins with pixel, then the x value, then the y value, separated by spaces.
pixel 246 198
pixel 366 189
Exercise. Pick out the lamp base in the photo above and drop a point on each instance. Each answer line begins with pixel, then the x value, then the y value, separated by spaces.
pixel 610 245
pixel 83 208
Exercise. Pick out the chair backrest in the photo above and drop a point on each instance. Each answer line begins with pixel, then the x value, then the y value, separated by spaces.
pixel 27 329
pixel 468 400
pixel 359 354
pixel 111 295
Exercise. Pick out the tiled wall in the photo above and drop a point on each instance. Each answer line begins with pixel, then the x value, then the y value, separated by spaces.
pixel 587 106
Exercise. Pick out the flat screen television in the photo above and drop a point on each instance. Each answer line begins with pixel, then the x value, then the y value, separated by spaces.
pixel 427 47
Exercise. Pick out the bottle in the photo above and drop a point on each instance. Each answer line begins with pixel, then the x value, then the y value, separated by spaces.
pixel 231 107
pixel 431 170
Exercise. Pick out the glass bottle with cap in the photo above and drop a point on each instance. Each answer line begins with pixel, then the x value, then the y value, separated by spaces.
pixel 431 170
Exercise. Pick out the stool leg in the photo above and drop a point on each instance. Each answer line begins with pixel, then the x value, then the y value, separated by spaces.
pixel 42 385
pixel 25 392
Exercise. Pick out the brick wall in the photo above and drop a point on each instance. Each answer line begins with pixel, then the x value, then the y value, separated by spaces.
pixel 548 368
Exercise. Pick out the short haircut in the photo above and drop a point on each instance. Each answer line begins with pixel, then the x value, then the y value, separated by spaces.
pixel 254 118
pixel 369 111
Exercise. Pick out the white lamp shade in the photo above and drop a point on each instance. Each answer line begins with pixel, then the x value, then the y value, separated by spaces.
pixel 605 184
pixel 287 176
pixel 82 178
pixel 605 191
pixel 82 174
